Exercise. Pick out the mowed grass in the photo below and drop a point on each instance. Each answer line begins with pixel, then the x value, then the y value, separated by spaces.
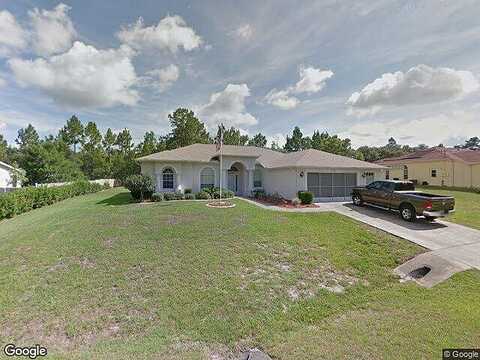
pixel 100 277
pixel 467 206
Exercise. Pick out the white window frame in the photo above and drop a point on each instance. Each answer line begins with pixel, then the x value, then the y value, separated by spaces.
pixel 173 174
pixel 257 177
pixel 214 176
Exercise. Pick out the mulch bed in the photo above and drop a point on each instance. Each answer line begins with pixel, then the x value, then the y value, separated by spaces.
pixel 285 204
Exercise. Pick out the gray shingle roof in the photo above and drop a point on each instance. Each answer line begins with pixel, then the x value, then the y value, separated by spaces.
pixel 267 158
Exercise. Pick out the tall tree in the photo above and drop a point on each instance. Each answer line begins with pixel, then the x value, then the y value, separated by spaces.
pixel 3 149
pixel 259 140
pixel 27 137
pixel 297 142
pixel 92 136
pixel 149 145
pixel 109 141
pixel 124 142
pixel 473 142
pixel 186 129
pixel 233 136
pixel 72 133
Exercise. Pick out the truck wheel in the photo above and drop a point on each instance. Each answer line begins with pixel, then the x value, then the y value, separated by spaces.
pixel 407 212
pixel 357 200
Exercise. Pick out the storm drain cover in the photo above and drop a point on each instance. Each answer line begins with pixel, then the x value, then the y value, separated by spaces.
pixel 428 269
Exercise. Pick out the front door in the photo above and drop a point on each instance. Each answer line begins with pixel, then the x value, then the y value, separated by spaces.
pixel 233 182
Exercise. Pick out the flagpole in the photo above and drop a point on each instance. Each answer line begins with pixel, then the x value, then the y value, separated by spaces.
pixel 221 168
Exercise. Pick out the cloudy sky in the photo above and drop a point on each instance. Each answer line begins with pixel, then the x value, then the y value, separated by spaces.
pixel 366 70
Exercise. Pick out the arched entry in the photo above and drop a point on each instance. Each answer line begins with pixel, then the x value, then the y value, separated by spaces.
pixel 236 178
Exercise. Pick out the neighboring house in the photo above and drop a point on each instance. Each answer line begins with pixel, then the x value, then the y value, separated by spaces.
pixel 8 181
pixel 437 166
pixel 245 168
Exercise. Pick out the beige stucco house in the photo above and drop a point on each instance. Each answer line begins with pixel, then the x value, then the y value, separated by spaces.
pixel 245 168
pixel 437 166
pixel 8 181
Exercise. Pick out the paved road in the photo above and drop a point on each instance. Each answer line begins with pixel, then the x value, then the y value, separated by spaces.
pixel 450 241
pixel 456 243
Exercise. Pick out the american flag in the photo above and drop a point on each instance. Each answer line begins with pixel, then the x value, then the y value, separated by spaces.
pixel 219 140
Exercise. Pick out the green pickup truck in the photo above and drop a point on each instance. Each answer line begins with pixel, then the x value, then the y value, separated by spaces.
pixel 401 196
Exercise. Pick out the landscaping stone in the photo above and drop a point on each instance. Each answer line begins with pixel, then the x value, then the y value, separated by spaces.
pixel 255 354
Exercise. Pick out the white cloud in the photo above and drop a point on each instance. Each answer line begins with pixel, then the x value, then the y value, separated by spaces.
pixel 12 37
pixel 421 84
pixel 281 99
pixel 163 78
pixel 311 81
pixel 53 31
pixel 228 107
pixel 431 130
pixel 82 77
pixel 244 32
pixel 171 33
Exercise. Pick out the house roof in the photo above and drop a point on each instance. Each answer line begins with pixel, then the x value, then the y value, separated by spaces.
pixel 468 156
pixel 265 157
pixel 5 165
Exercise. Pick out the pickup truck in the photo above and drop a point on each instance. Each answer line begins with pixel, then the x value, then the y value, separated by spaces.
pixel 401 196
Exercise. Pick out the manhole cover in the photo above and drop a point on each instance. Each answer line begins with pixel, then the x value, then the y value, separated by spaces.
pixel 420 272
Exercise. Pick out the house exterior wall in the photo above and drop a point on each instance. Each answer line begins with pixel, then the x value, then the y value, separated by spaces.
pixel 449 173
pixel 6 178
pixel 286 182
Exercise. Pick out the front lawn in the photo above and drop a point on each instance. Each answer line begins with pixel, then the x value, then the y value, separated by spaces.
pixel 100 277
pixel 467 206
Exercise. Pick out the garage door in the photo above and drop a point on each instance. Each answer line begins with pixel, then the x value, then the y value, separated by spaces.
pixel 329 185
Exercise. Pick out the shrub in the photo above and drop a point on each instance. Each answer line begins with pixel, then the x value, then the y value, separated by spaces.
pixel 189 196
pixel 202 195
pixel 424 183
pixel 188 191
pixel 179 195
pixel 28 198
pixel 169 196
pixel 210 191
pixel 306 197
pixel 157 197
pixel 259 194
pixel 140 186
pixel 226 194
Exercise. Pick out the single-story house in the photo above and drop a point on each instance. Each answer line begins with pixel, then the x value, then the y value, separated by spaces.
pixel 8 181
pixel 246 168
pixel 437 166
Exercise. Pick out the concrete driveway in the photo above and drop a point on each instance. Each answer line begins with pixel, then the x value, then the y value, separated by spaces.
pixel 453 242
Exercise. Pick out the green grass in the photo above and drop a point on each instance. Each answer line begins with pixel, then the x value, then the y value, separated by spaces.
pixel 467 206
pixel 100 277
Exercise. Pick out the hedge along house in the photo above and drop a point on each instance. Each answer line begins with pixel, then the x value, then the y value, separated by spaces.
pixel 437 166
pixel 247 168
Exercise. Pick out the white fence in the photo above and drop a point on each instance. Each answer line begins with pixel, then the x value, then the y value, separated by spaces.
pixel 109 182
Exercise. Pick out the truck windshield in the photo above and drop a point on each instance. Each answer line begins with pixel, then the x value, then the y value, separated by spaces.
pixel 404 187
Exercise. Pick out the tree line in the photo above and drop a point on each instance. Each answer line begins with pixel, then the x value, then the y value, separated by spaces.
pixel 82 151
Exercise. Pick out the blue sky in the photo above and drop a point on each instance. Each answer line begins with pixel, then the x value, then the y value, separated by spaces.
pixel 366 70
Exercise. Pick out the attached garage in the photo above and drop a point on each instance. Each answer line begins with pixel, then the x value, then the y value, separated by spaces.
pixel 335 186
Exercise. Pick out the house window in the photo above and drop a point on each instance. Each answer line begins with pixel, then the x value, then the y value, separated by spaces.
pixel 405 172
pixel 207 178
pixel 434 172
pixel 387 174
pixel 168 178
pixel 257 178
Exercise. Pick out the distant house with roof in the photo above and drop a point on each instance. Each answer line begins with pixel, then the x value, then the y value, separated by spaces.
pixel 8 180
pixel 437 166
pixel 246 168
